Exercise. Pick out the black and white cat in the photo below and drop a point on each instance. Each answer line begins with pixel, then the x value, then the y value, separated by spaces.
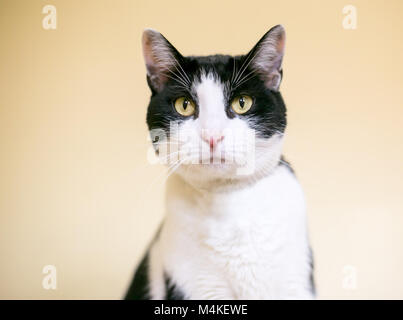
pixel 235 224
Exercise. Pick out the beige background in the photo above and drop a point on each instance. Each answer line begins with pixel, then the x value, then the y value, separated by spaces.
pixel 77 192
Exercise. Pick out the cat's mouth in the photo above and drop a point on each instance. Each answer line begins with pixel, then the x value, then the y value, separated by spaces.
pixel 211 161
pixel 217 160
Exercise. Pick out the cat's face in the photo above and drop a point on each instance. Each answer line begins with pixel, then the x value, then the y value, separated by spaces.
pixel 216 117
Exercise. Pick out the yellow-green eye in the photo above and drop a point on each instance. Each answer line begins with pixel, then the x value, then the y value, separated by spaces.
pixel 184 106
pixel 241 104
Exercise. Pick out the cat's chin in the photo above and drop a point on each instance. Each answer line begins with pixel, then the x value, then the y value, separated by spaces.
pixel 207 171
pixel 213 169
pixel 211 175
pixel 216 175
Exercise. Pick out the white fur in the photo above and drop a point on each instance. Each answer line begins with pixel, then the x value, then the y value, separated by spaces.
pixel 210 94
pixel 156 272
pixel 247 243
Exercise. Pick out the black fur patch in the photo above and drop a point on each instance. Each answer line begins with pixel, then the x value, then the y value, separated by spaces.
pixel 172 291
pixel 139 288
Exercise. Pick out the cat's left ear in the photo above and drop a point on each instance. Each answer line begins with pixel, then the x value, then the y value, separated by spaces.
pixel 160 57
pixel 267 56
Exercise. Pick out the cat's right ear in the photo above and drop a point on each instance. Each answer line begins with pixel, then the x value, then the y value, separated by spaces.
pixel 160 58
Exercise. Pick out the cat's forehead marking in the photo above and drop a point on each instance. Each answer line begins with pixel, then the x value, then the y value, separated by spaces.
pixel 209 88
pixel 211 97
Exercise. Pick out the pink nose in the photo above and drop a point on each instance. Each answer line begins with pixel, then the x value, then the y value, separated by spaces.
pixel 212 140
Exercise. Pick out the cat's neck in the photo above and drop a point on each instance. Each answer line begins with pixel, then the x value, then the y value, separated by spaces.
pixel 185 200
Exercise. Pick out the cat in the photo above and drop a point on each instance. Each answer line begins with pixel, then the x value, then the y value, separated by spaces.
pixel 235 224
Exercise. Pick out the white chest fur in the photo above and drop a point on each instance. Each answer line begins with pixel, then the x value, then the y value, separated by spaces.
pixel 250 243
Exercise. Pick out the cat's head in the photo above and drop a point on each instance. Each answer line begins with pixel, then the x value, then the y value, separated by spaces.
pixel 219 117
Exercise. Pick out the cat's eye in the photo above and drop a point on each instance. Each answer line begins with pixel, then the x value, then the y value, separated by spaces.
pixel 185 106
pixel 241 104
